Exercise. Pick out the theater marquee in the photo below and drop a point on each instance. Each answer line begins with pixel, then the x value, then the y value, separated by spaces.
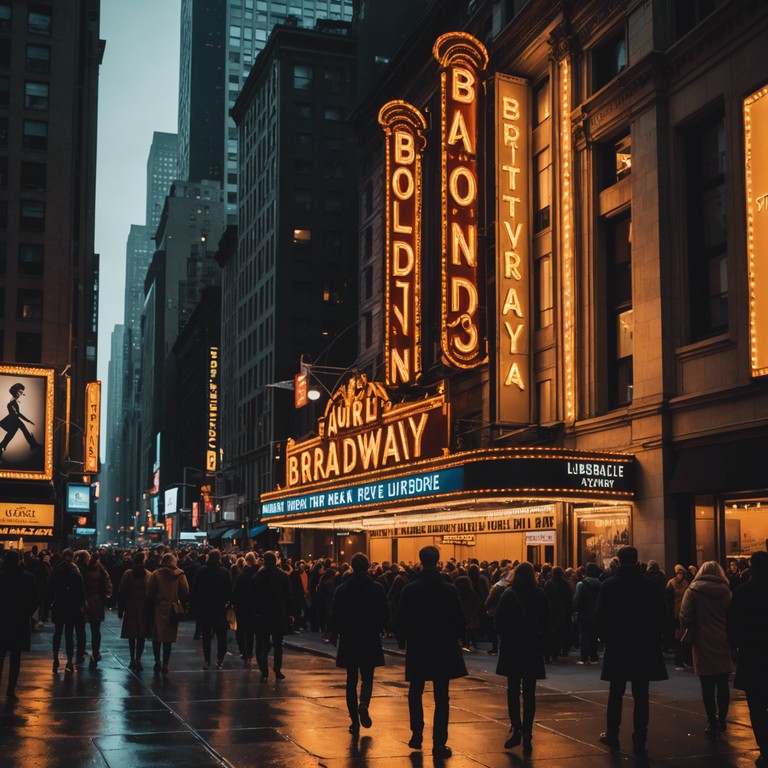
pixel 462 59
pixel 403 126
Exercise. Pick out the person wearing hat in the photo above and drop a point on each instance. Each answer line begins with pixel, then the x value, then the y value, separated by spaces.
pixel 167 585
pixel 359 614
pixel 673 594
pixel 272 611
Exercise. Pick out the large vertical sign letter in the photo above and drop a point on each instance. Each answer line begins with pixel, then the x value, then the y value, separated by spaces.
pixel 461 58
pixel 512 251
pixel 403 126
pixel 756 160
pixel 92 422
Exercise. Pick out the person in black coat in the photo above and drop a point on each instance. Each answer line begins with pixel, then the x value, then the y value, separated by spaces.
pixel 631 616
pixel 211 593
pixel 241 600
pixel 524 623
pixel 66 596
pixel 18 601
pixel 431 621
pixel 272 614
pixel 560 597
pixel 359 614
pixel 747 627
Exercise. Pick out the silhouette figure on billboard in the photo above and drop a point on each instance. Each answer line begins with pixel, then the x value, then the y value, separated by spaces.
pixel 14 421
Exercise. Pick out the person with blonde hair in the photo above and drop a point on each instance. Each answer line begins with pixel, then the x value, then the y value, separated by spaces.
pixel 703 617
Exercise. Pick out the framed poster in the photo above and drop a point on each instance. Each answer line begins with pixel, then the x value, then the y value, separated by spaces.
pixel 26 423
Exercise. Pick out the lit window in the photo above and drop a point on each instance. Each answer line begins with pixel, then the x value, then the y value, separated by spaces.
pixel 302 236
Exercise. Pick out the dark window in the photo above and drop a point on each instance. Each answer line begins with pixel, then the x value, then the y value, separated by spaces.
pixel 302 166
pixel 333 113
pixel 3 214
pixel 5 23
pixel 368 199
pixel 334 143
pixel 29 348
pixel 35 95
pixel 35 135
pixel 368 283
pixel 3 131
pixel 543 310
pixel 304 110
pixel 333 202
pixel 32 218
pixel 368 329
pixel 333 171
pixel 542 190
pixel 39 21
pixel 31 259
pixel 3 256
pixel 303 74
pixel 3 172
pixel 689 13
pixel 620 328
pixel 303 140
pixel 33 177
pixel 5 91
pixel 30 304
pixel 368 243
pixel 302 200
pixel 5 52
pixel 38 58
pixel 333 79
pixel 707 228
pixel 541 103
pixel 608 59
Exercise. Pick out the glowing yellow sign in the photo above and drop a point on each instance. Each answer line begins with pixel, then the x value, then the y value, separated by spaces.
pixel 462 58
pixel 92 423
pixel 512 251
pixel 756 162
pixel 403 125
pixel 211 451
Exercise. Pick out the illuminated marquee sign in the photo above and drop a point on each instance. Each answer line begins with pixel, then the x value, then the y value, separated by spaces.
pixel 370 493
pixel 403 125
pixel 92 422
pixel 211 449
pixel 19 519
pixel 512 251
pixel 756 161
pixel 361 431
pixel 462 58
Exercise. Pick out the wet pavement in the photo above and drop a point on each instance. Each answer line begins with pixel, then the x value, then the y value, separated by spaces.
pixel 111 716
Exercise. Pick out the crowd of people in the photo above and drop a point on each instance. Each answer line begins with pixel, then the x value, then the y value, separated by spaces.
pixel 715 622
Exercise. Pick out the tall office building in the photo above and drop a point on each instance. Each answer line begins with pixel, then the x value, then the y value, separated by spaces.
pixel 49 65
pixel 162 171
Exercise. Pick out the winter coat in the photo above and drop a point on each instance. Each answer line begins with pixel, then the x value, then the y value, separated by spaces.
pixel 470 601
pixel 66 593
pixel 271 601
pixel 748 633
pixel 98 589
pixel 241 598
pixel 359 614
pixel 132 604
pixel 585 599
pixel 674 595
pixel 560 598
pixel 524 622
pixel 18 601
pixel 211 591
pixel 166 585
pixel 431 621
pixel 704 612
pixel 630 620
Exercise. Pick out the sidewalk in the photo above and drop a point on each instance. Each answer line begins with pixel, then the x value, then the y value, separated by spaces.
pixel 110 717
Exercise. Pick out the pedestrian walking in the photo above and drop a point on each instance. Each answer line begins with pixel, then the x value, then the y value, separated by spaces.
pixel 585 607
pixel 703 619
pixel 66 598
pixel 132 608
pixel 431 621
pixel 211 592
pixel 630 620
pixel 359 614
pixel 18 601
pixel 524 623
pixel 676 588
pixel 167 588
pixel 272 614
pixel 98 589
pixel 747 628
pixel 560 597
pixel 241 600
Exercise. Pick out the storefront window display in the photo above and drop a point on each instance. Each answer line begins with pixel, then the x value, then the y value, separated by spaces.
pixel 601 533
pixel 746 526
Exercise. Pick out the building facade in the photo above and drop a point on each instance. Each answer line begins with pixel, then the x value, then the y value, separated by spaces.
pixel 49 63
pixel 573 194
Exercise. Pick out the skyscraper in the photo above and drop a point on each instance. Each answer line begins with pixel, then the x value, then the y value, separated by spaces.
pixel 162 171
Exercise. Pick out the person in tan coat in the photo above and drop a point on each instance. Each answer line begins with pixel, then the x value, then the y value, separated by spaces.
pixel 167 585
pixel 703 615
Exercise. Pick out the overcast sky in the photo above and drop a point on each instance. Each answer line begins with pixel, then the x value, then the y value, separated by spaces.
pixel 138 94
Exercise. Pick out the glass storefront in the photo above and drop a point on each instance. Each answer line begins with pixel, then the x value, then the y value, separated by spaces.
pixel 600 534
pixel 746 526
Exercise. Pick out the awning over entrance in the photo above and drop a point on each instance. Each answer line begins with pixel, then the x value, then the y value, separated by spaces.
pixel 216 534
pixel 256 531
pixel 233 533
pixel 489 476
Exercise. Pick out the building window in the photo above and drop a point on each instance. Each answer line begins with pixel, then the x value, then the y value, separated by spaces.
pixel 30 304
pixel 3 131
pixel 305 110
pixel 33 177
pixel 542 190
pixel 38 58
pixel 5 91
pixel 302 200
pixel 3 254
pixel 707 228
pixel 303 139
pixel 608 59
pixel 690 13
pixel 620 319
pixel 543 294
pixel 5 23
pixel 333 113
pixel 303 75
pixel 334 143
pixel 35 95
pixel 32 216
pixel 368 329
pixel 29 348
pixel 3 172
pixel 333 79
pixel 333 202
pixel 302 236
pixel 302 166
pixel 368 243
pixel 5 52
pixel 541 101
pixel 368 283
pixel 3 214
pixel 31 260
pixel 39 22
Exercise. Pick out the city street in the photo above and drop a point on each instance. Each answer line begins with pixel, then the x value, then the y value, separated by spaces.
pixel 109 716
